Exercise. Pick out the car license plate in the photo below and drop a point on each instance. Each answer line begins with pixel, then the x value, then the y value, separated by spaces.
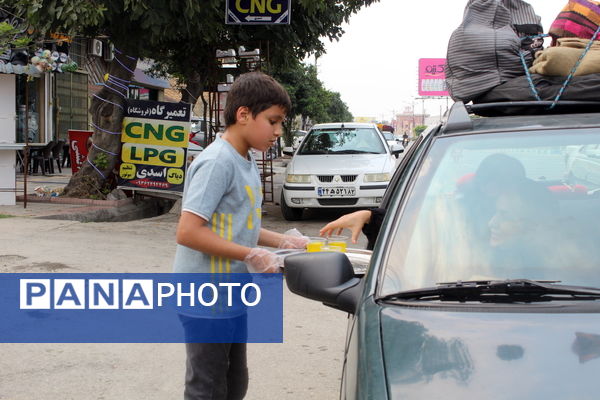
pixel 342 191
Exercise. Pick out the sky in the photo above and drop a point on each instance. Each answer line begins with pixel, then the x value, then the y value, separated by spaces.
pixel 374 64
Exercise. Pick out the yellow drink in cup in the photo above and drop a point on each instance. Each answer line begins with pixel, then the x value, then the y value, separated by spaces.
pixel 337 243
pixel 315 244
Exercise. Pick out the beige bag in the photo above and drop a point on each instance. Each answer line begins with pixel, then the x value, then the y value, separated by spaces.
pixel 560 59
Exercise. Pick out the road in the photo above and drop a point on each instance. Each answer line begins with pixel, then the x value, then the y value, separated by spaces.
pixel 306 366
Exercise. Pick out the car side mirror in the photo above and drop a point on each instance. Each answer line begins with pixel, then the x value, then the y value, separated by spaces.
pixel 327 277
pixel 288 151
pixel 397 149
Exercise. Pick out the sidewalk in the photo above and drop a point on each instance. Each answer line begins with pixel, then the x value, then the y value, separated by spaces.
pixel 86 209
pixel 56 207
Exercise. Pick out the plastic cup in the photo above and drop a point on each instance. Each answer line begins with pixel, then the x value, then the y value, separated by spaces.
pixel 315 244
pixel 337 243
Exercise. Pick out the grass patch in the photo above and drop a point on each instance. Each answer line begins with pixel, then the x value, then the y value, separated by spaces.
pixel 6 216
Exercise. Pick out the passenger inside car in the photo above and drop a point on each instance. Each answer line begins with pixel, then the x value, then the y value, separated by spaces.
pixel 524 222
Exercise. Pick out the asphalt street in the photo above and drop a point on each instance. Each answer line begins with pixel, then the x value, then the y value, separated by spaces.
pixel 307 365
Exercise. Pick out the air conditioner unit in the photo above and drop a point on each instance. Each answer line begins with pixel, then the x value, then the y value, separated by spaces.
pixel 109 52
pixel 95 48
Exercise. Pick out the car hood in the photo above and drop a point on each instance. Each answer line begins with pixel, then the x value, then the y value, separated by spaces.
pixel 323 164
pixel 452 355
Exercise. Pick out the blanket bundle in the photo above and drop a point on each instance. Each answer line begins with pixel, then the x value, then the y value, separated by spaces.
pixel 560 60
pixel 579 18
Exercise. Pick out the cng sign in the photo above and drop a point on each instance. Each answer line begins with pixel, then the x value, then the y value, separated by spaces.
pixel 155 138
pixel 258 12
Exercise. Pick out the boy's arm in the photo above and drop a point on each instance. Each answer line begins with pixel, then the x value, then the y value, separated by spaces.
pixel 269 238
pixel 280 240
pixel 193 232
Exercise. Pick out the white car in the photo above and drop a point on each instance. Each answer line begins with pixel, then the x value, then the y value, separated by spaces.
pixel 338 165
pixel 392 139
pixel 298 137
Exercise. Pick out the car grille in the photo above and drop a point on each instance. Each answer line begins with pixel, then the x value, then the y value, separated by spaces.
pixel 329 178
pixel 337 202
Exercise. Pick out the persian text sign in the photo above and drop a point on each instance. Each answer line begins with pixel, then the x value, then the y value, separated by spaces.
pixel 258 12
pixel 141 308
pixel 155 137
pixel 78 148
pixel 432 77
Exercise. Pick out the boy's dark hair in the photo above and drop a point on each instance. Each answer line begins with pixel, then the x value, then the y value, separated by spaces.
pixel 258 92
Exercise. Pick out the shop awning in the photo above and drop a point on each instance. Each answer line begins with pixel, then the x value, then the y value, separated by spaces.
pixel 142 79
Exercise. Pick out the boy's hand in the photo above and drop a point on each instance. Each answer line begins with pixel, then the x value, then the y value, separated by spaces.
pixel 293 242
pixel 261 260
pixel 293 239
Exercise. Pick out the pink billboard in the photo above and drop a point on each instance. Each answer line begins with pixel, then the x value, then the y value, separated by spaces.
pixel 432 77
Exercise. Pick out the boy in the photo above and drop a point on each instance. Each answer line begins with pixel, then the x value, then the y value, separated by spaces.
pixel 219 228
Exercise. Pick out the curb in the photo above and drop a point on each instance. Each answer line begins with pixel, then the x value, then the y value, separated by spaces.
pixel 72 200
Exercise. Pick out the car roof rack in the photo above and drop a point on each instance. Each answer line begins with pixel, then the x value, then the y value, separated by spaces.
pixel 541 107
pixel 458 117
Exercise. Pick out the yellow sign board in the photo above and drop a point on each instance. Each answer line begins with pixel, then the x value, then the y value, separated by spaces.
pixel 136 153
pixel 155 132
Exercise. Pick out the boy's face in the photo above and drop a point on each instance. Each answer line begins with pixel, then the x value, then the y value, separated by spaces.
pixel 262 132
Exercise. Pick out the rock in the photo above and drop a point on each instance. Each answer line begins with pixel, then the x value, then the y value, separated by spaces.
pixel 116 194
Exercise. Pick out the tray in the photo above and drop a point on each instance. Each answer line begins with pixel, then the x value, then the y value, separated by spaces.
pixel 359 258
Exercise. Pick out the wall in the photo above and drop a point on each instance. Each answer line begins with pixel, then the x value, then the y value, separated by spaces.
pixel 7 137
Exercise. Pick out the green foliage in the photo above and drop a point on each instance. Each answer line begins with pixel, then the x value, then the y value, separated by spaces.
pixel 101 161
pixel 419 129
pixel 310 99
pixel 6 216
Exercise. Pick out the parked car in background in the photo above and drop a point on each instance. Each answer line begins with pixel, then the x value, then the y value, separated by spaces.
pixel 338 165
pixel 392 140
pixel 197 139
pixel 483 283
pixel 298 137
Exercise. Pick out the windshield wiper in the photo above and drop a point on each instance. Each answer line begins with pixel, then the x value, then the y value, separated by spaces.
pixel 354 152
pixel 498 291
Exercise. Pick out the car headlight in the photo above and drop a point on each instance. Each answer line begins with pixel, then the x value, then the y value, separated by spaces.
pixel 291 178
pixel 385 177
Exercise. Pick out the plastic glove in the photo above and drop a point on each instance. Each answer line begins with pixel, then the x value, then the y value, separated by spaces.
pixel 261 260
pixel 293 239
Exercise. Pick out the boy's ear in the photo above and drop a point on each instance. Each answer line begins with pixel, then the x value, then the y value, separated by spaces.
pixel 242 115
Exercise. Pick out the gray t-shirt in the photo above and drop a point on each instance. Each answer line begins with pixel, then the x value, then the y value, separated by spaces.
pixel 225 189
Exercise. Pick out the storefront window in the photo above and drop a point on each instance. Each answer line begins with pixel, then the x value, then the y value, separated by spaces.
pixel 29 102
pixel 71 103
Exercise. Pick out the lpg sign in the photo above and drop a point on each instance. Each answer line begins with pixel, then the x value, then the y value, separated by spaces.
pixel 155 138
pixel 248 12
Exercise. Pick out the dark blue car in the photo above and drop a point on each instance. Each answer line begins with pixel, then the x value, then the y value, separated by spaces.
pixel 484 282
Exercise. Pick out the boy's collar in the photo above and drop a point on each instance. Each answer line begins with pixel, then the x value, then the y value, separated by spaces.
pixel 238 145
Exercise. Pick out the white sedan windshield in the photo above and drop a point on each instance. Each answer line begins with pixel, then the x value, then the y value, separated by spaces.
pixel 343 141
pixel 502 206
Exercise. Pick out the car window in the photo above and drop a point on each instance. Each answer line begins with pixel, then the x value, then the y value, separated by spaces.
pixel 342 141
pixel 389 136
pixel 500 206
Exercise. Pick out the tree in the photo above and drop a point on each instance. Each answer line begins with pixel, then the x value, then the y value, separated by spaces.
pixel 183 36
pixel 337 109
pixel 310 100
pixel 419 129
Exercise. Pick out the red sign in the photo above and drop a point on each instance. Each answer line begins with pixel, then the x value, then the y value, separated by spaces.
pixel 78 147
pixel 432 77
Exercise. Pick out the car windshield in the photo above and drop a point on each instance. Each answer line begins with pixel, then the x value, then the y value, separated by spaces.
pixel 343 141
pixel 389 136
pixel 501 206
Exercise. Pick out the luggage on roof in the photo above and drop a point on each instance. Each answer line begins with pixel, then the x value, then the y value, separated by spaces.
pixel 484 51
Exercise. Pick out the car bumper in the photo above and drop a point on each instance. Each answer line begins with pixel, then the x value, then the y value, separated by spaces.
pixel 306 196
